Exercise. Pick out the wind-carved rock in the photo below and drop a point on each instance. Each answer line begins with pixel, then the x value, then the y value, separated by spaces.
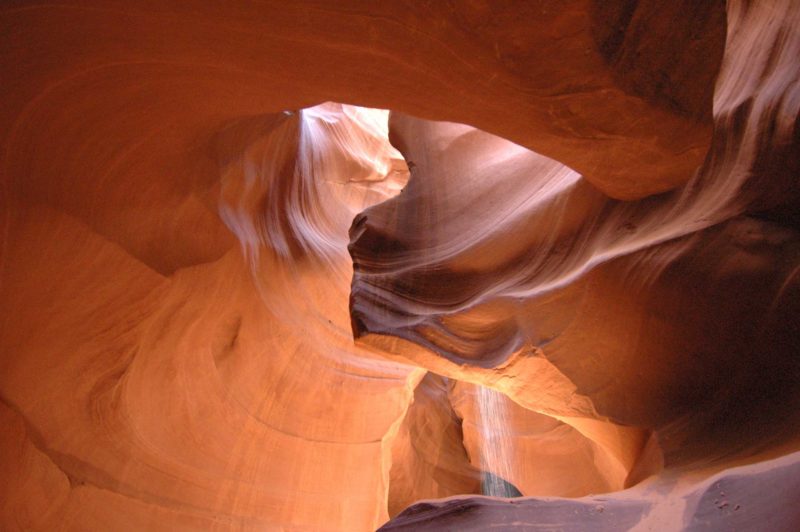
pixel 654 313
pixel 610 245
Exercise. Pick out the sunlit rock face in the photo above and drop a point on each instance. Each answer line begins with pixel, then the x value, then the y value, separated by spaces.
pixel 202 399
pixel 565 266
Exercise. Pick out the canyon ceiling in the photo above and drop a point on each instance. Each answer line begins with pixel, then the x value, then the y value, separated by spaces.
pixel 303 265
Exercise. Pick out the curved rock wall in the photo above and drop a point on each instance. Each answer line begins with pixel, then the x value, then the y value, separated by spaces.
pixel 177 303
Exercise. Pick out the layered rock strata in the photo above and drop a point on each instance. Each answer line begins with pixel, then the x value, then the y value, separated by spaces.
pixel 601 244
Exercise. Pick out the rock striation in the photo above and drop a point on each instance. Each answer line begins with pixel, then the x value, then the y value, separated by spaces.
pixel 229 303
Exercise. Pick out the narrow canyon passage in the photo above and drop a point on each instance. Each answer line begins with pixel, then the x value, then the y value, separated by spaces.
pixel 410 266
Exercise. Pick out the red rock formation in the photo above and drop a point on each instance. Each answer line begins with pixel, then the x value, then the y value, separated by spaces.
pixel 178 306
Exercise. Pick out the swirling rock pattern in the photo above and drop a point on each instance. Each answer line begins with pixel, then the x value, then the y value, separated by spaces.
pixel 611 242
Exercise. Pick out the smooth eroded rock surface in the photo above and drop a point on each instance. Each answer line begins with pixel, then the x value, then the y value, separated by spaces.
pixel 565 264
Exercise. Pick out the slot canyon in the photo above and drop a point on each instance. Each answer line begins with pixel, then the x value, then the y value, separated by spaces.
pixel 402 265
